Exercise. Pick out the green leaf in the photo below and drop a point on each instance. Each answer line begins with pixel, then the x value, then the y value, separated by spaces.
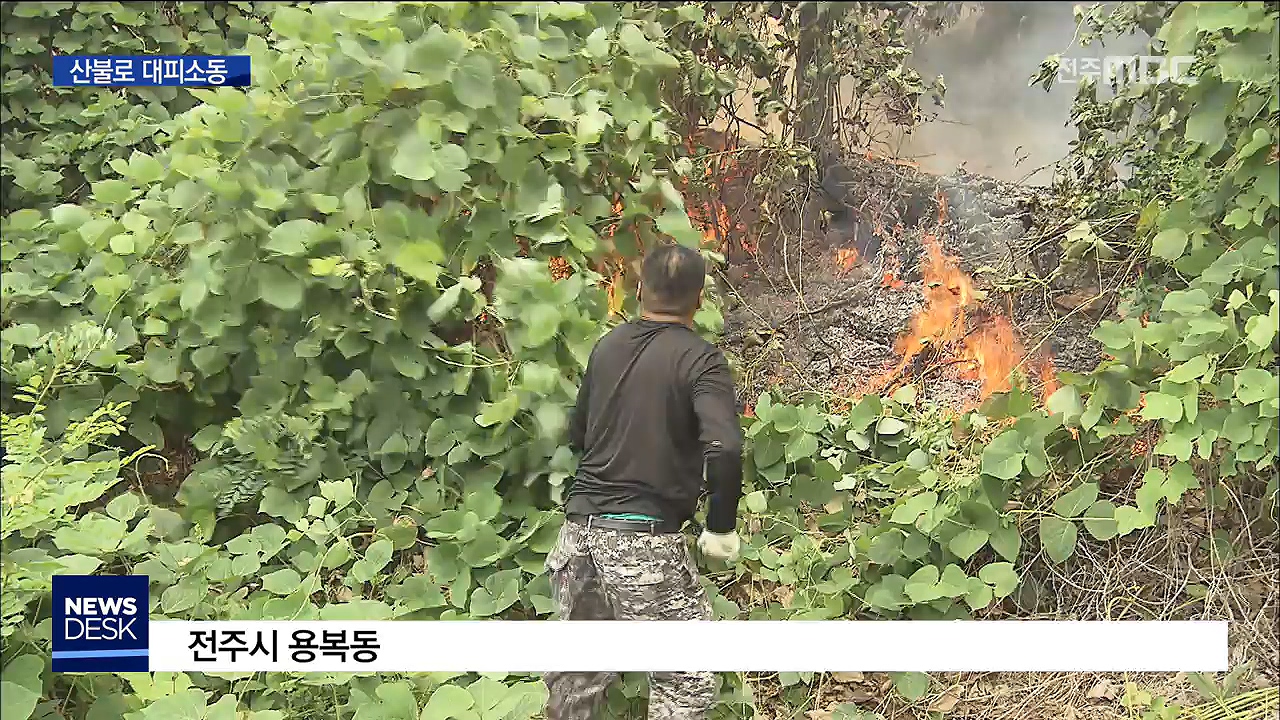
pixel 918 459
pixel 279 287
pixel 1115 336
pixel 1206 123
pixel 161 365
pixel 446 302
pixel 1076 501
pixel 756 501
pixel 122 244
pixel 1065 401
pixel 1152 491
pixel 435 54
pixel 1100 520
pixel 890 426
pixel 450 162
pixel 1058 538
pixel 293 238
pixel 326 204
pixel 1261 330
pixel 20 687
pixel 1158 406
pixel 1007 542
pixel 590 126
pixel 1192 369
pixel 378 554
pixel 1169 244
pixel 124 507
pixel 597 45
pixel 420 259
pixel 414 158
pixel 968 542
pixel 913 508
pixel 785 418
pixel 922 586
pixel 449 702
pixel 1003 457
pixel 472 81
pixel 68 216
pixel 887 594
pixel 482 603
pixel 802 445
pixel 905 395
pixel 886 548
pixel 911 685
pixel 282 582
pixel 1180 479
pixel 535 82
pixel 675 222
pixel 978 595
pixel 498 413
pixel 365 11
pixel 542 323
pixel 1254 386
pixel 112 192
pixel 1000 576
pixel 863 414
pixel 1129 518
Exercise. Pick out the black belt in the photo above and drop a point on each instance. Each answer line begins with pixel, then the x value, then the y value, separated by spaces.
pixel 652 527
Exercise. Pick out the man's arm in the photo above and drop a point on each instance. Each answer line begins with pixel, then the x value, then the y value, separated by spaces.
pixel 578 416
pixel 720 432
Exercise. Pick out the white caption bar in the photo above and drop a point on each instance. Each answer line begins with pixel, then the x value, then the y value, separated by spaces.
pixel 721 646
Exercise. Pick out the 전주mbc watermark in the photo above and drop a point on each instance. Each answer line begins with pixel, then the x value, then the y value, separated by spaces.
pixel 1127 69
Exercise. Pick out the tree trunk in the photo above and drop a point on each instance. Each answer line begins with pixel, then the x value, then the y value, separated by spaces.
pixel 813 125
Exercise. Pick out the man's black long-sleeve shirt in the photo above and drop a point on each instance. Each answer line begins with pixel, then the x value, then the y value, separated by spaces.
pixel 656 403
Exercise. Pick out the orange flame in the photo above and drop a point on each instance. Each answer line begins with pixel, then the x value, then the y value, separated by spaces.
pixel 714 231
pixel 989 354
pixel 1049 383
pixel 711 216
pixel 846 258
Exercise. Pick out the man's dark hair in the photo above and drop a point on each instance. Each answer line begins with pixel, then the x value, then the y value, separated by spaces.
pixel 672 280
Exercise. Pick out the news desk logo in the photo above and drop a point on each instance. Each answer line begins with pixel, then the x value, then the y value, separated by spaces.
pixel 100 623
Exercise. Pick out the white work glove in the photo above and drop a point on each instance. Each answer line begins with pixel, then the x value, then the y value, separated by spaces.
pixel 724 547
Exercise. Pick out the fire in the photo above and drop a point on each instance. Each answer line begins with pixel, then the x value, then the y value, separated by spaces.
pixel 995 353
pixel 989 353
pixel 872 157
pixel 711 216
pixel 714 232
pixel 846 258
pixel 1048 379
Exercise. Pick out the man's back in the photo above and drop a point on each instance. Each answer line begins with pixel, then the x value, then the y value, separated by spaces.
pixel 656 410
pixel 655 398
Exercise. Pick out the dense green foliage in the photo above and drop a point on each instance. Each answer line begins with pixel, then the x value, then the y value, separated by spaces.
pixel 334 285
pixel 57 140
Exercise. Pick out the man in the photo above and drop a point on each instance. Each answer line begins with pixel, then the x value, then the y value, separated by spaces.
pixel 655 416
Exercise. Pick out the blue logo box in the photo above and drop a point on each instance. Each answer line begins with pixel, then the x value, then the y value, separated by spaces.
pixel 100 623
pixel 151 70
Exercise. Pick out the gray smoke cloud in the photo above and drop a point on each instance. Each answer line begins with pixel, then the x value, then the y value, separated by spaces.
pixel 992 122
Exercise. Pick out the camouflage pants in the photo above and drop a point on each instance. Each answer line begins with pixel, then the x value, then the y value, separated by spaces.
pixel 602 574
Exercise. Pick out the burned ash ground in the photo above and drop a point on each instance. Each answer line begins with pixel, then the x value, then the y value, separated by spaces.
pixel 805 315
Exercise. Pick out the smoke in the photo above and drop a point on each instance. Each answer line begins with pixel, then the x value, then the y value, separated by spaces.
pixel 992 123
